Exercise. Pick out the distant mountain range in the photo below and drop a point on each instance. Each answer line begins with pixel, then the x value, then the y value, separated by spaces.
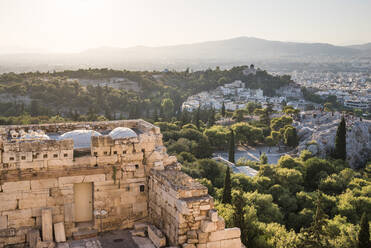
pixel 241 50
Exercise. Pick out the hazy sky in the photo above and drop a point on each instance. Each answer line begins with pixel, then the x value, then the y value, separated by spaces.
pixel 75 25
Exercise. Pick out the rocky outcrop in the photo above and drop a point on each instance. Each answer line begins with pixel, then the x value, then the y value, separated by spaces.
pixel 317 131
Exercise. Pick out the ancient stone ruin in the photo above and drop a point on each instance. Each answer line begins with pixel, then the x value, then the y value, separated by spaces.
pixel 73 180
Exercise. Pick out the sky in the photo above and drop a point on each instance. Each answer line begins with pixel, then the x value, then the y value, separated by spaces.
pixel 77 25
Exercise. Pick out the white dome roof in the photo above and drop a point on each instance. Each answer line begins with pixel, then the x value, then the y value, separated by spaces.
pixel 81 138
pixel 34 136
pixel 122 133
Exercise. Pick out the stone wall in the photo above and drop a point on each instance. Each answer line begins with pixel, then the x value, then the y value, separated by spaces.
pixel 182 209
pixel 133 180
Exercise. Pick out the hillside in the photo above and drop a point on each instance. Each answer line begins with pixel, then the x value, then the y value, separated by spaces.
pixel 236 51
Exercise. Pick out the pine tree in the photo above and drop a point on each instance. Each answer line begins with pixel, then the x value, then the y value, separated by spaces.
pixel 364 233
pixel 223 109
pixel 316 235
pixel 231 147
pixel 340 141
pixel 227 196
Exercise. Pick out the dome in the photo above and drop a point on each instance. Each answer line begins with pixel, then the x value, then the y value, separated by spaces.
pixel 34 136
pixel 81 138
pixel 122 133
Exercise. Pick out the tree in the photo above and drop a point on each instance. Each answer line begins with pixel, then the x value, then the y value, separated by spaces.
pixel 238 115
pixel 227 195
pixel 155 115
pixel 316 235
pixel 340 141
pixel 197 118
pixel 211 120
pixel 167 105
pixel 263 158
pixel 231 147
pixel 291 137
pixel 239 213
pixel 223 109
pixel 364 233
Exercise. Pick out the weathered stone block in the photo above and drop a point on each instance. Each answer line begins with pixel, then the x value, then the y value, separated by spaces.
pixel 156 236
pixel 208 226
pixel 8 205
pixel 213 214
pixel 186 245
pixel 16 186
pixel 182 239
pixel 33 237
pixel 70 180
pixel 192 234
pixel 47 224
pixel 202 237
pixel 3 222
pixel 231 243
pixel 39 202
pixel 215 244
pixel 220 224
pixel 201 246
pixel 59 233
pixel 229 233
pixel 43 184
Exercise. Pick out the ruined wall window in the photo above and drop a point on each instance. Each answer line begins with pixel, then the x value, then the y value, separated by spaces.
pixel 137 166
pixel 115 152
pixel 11 158
pixel 23 157
pixel 65 155
pixel 55 155
pixel 105 153
pixel 141 188
pixel 34 155
pixel 45 156
pixel 123 152
pixel 95 154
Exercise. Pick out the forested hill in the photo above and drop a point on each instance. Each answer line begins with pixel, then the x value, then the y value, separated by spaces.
pixel 113 93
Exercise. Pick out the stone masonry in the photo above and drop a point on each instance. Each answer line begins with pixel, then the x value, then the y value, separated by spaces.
pixel 133 180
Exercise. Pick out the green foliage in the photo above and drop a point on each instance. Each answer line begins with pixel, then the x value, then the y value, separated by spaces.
pixel 305 155
pixel 340 141
pixel 364 233
pixel 263 158
pixel 317 234
pixel 247 134
pixel 315 170
pixel 231 147
pixel 218 137
pixel 290 137
pixel 280 122
pixel 227 194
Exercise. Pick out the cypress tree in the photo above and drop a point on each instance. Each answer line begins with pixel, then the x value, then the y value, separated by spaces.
pixel 340 141
pixel 223 110
pixel 239 214
pixel 155 115
pixel 211 120
pixel 231 147
pixel 197 118
pixel 227 196
pixel 364 233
